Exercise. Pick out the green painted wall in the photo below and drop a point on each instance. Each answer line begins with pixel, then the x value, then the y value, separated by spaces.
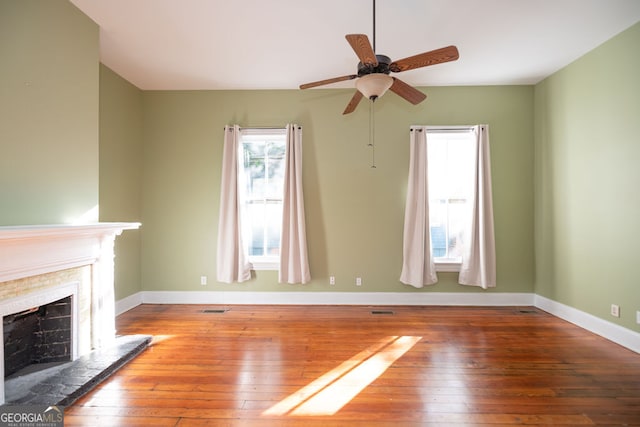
pixel 159 158
pixel 48 112
pixel 354 213
pixel 587 201
pixel 121 173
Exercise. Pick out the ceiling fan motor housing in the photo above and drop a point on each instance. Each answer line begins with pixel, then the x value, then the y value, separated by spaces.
pixel 382 67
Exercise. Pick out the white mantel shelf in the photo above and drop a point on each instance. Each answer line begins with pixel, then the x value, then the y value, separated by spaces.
pixel 29 250
pixel 29 231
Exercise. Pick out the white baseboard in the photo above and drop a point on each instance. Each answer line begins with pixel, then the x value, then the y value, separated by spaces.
pixel 608 330
pixel 616 333
pixel 338 298
pixel 127 303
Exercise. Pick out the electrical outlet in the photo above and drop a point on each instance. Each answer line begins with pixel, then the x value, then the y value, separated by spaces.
pixel 615 310
pixel 638 317
pixel 358 281
pixel 203 280
pixel 332 280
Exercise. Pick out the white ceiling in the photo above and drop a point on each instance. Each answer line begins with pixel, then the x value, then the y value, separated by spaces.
pixel 280 44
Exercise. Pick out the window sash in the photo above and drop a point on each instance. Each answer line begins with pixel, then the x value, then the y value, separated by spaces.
pixel 446 202
pixel 262 193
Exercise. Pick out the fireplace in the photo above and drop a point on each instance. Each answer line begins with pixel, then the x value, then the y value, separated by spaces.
pixel 38 336
pixel 69 266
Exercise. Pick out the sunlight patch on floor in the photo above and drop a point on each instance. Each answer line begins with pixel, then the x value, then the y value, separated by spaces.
pixel 330 392
pixel 157 339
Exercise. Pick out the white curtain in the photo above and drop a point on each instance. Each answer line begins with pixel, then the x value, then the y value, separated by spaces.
pixel 479 258
pixel 232 265
pixel 294 263
pixel 417 261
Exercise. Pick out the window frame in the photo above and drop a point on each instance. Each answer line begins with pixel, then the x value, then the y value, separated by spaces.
pixel 446 264
pixel 259 262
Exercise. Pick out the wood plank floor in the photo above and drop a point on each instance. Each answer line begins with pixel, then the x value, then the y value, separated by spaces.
pixel 344 366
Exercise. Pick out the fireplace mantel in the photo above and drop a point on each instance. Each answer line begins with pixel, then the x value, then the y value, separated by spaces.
pixel 38 249
pixel 29 253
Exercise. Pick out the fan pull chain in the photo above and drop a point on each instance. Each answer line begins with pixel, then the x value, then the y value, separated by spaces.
pixel 372 133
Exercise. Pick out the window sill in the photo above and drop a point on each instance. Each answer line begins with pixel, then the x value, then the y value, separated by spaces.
pixel 259 265
pixel 444 267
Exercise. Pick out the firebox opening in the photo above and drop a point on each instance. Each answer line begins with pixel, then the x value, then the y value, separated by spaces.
pixel 37 337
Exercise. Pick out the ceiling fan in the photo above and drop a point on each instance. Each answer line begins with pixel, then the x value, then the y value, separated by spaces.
pixel 373 78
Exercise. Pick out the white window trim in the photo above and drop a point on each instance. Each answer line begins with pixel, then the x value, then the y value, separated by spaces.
pixel 443 129
pixel 447 266
pixel 263 262
pixel 263 131
pixel 442 264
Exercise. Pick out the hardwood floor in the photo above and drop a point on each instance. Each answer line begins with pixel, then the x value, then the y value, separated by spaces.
pixel 344 366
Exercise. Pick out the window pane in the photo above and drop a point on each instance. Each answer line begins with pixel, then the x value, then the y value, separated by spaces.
pixel 255 217
pixel 254 168
pixel 273 219
pixel 457 227
pixel 450 167
pixel 275 169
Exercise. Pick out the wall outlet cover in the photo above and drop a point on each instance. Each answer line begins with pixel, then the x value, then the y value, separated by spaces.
pixel 615 310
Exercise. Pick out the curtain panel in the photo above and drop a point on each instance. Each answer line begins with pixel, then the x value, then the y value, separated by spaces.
pixel 479 259
pixel 418 268
pixel 232 265
pixel 294 263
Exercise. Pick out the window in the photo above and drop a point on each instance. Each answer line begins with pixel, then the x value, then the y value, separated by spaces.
pixel 449 200
pixel 450 155
pixel 261 166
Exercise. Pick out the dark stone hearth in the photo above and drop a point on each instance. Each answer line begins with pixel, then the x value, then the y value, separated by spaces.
pixel 65 383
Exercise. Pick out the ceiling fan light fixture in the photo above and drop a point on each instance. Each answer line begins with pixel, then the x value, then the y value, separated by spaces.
pixel 374 85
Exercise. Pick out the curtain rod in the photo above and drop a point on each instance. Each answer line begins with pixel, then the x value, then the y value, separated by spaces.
pixel 262 127
pixel 443 129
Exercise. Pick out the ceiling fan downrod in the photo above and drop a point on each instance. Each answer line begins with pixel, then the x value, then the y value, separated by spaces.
pixel 374 25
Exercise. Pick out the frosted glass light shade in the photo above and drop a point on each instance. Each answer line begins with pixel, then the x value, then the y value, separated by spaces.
pixel 374 85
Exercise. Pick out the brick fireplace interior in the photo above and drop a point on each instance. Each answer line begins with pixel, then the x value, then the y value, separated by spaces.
pixel 37 337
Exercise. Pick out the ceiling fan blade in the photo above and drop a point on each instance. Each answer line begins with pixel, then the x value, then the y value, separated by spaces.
pixel 407 92
pixel 328 81
pixel 361 46
pixel 438 56
pixel 355 100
